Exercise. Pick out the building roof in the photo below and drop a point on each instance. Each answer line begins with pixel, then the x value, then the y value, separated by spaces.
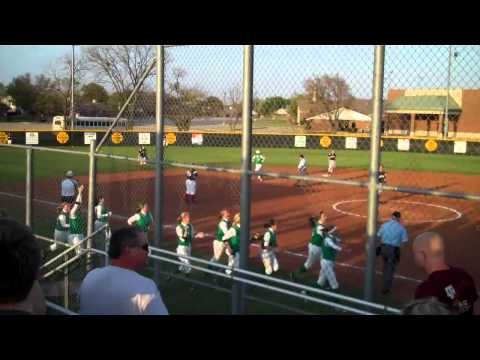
pixel 426 104
pixel 343 114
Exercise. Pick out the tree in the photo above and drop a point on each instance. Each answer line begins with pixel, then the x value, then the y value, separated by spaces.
pixel 94 92
pixel 22 91
pixel 271 104
pixel 120 66
pixel 332 92
pixel 234 96
pixel 3 89
pixel 212 106
pixel 48 101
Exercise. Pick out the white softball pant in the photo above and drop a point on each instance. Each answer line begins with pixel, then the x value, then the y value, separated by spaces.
pixel 314 254
pixel 218 250
pixel 258 167
pixel 332 164
pixel 191 187
pixel 327 274
pixel 270 261
pixel 74 239
pixel 233 261
pixel 184 250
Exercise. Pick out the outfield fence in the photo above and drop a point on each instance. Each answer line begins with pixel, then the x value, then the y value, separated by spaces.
pixel 218 98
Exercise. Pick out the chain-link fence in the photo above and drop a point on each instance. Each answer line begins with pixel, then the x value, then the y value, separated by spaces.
pixel 311 101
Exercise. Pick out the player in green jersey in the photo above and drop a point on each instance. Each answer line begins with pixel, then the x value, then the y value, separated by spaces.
pixel 258 159
pixel 77 224
pixel 222 228
pixel 185 235
pixel 142 220
pixel 268 244
pixel 231 240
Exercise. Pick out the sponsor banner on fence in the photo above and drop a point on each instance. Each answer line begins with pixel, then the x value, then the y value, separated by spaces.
pixel 300 141
pixel 31 138
pixel 197 139
pixel 171 138
pixel 117 138
pixel 89 136
pixel 431 145
pixel 144 138
pixel 403 144
pixel 460 147
pixel 62 137
pixel 350 143
pixel 4 139
pixel 325 141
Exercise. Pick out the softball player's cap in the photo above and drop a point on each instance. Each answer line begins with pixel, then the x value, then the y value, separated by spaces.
pixel 258 151
pixel 70 173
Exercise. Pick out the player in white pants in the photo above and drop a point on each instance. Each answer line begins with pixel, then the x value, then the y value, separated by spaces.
pixel 62 225
pixel 185 235
pixel 191 186
pixel 231 240
pixel 327 272
pixel 102 215
pixel 142 156
pixel 218 244
pixel 258 159
pixel 268 245
pixel 302 169
pixel 77 224
pixel 332 162
pixel 319 231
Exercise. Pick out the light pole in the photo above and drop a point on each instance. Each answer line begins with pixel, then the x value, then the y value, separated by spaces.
pixel 72 90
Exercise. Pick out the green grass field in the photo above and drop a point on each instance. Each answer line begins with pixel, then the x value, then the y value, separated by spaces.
pixel 47 164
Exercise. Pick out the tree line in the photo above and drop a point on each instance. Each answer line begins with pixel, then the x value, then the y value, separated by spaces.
pixel 106 75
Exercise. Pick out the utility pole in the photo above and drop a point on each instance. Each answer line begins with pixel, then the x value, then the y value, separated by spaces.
pixel 72 90
pixel 445 118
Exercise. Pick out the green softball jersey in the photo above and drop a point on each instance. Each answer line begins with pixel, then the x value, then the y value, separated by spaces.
pixel 234 241
pixel 219 233
pixel 77 225
pixel 58 224
pixel 317 235
pixel 143 224
pixel 273 239
pixel 103 215
pixel 328 252
pixel 258 159
pixel 188 231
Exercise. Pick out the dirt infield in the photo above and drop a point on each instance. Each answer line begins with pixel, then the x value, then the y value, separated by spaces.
pixel 291 206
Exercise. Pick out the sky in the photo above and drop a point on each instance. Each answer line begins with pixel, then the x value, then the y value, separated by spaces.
pixel 281 70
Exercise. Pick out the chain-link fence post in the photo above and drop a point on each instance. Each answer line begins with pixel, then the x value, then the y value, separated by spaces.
pixel 92 174
pixel 29 189
pixel 238 299
pixel 66 285
pixel 159 130
pixel 373 173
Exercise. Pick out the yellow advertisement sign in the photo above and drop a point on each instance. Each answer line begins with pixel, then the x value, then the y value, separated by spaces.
pixel 62 137
pixel 3 138
pixel 431 145
pixel 171 138
pixel 117 138
pixel 325 141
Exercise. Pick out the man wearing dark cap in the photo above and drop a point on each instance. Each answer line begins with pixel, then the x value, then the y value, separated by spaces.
pixel 392 235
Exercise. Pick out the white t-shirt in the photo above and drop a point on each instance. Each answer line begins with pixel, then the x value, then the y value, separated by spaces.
pixel 302 163
pixel 69 187
pixel 113 290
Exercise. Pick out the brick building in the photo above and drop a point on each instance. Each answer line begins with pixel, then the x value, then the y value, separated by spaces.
pixel 421 112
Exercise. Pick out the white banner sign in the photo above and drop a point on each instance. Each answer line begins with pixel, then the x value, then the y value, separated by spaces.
pixel 460 147
pixel 89 136
pixel 144 138
pixel 197 139
pixel 300 141
pixel 31 138
pixel 403 144
pixel 350 143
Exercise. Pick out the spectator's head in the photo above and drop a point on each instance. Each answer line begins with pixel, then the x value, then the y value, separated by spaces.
pixel 427 306
pixel 236 219
pixel 19 267
pixel 429 251
pixel 184 218
pixel 128 249
pixel 69 174
pixel 396 215
pixel 224 214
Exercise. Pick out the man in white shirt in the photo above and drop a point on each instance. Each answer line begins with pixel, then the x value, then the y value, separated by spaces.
pixel 69 188
pixel 118 289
